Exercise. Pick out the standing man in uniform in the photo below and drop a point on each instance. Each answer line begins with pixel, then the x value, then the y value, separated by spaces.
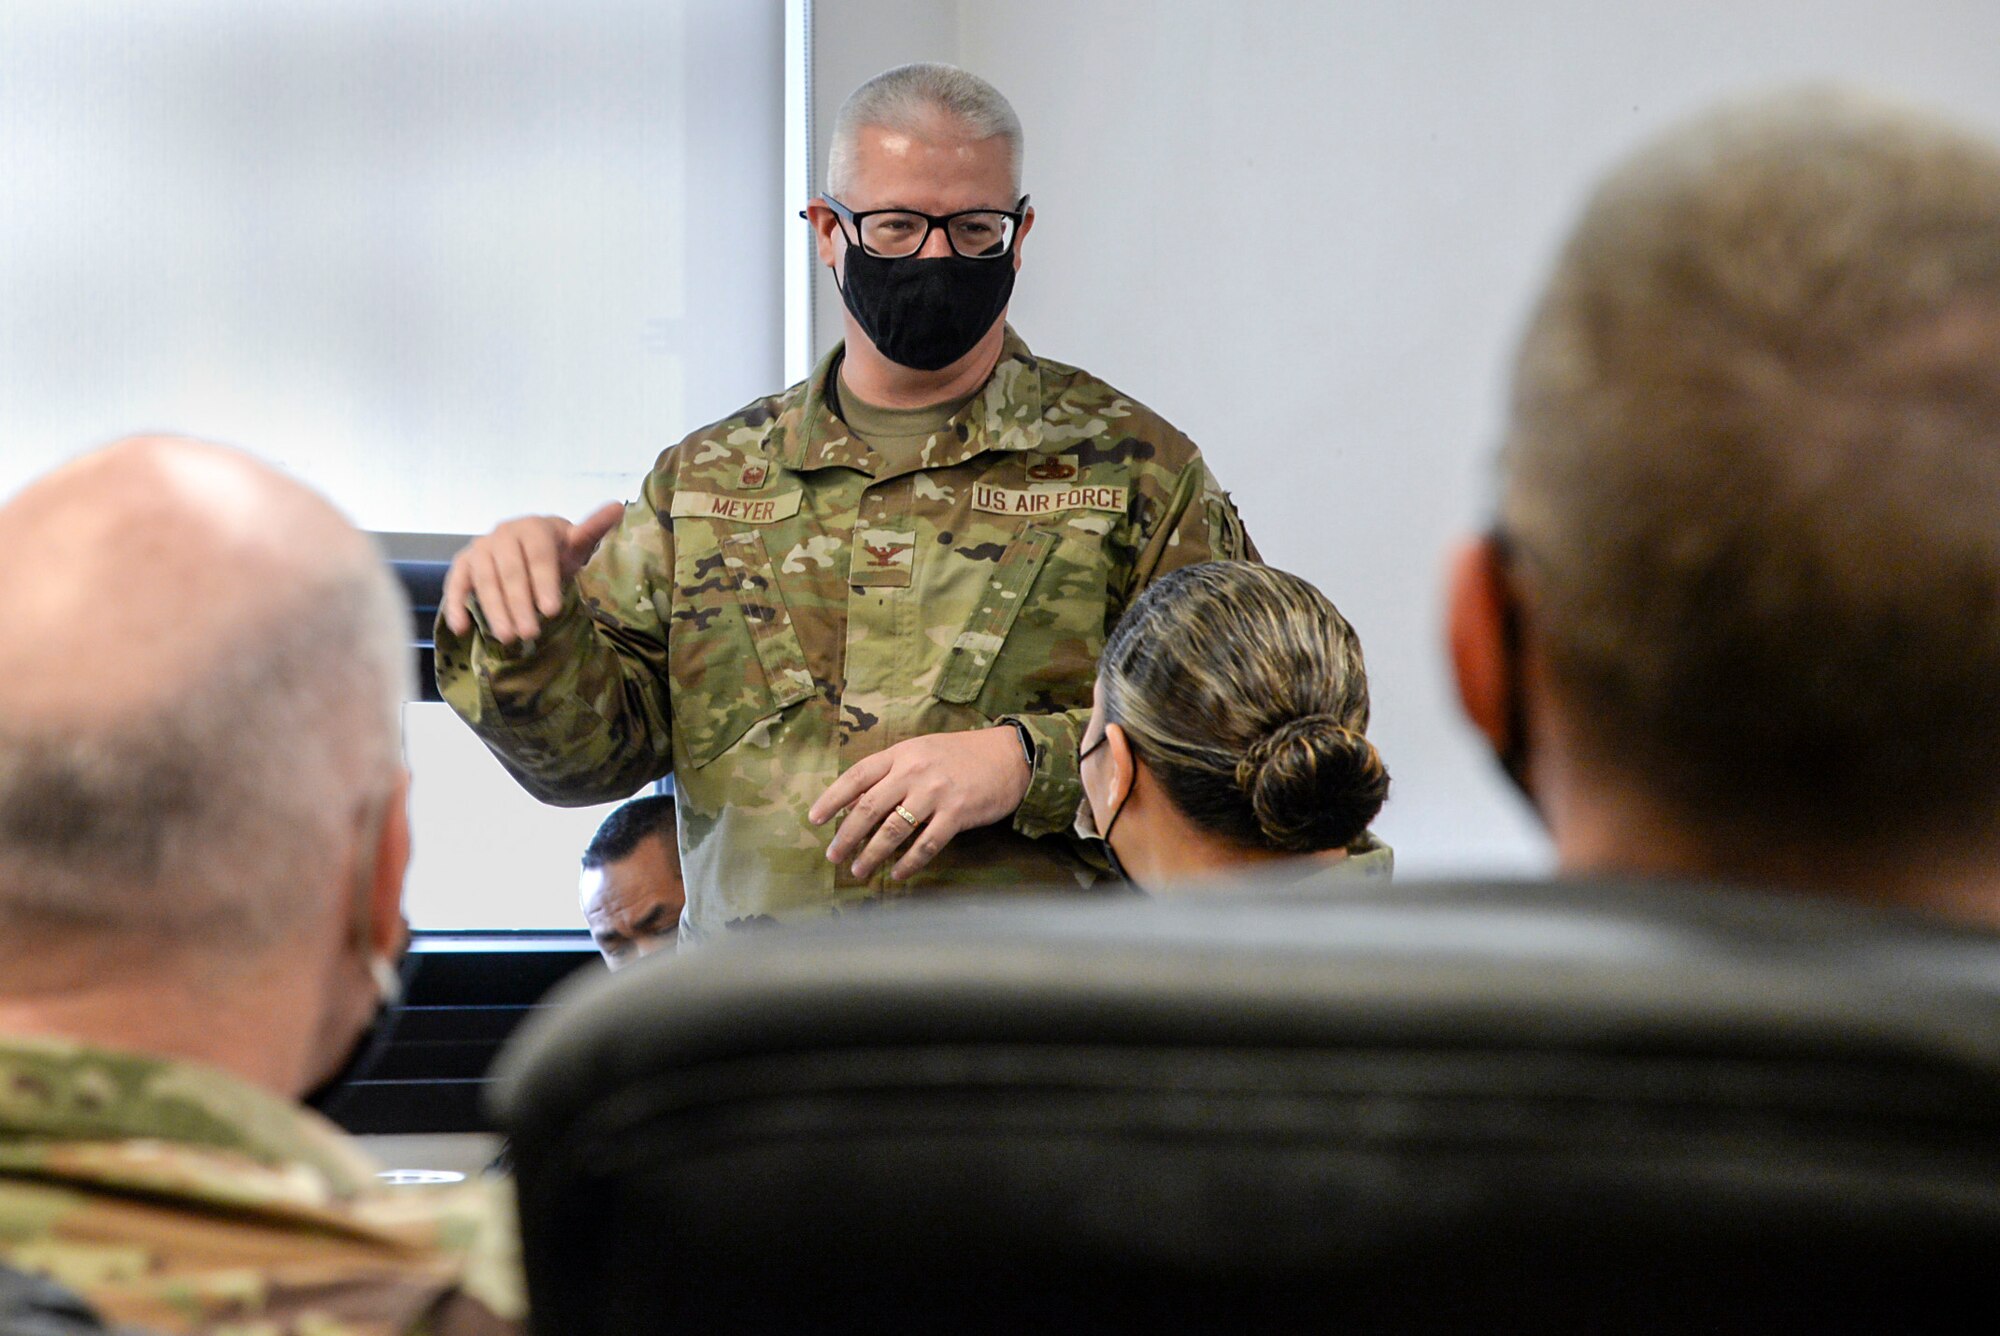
pixel 881 592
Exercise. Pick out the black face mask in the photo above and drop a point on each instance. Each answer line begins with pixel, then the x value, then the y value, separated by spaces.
pixel 391 975
pixel 925 314
pixel 369 1046
pixel 1086 821
pixel 1513 753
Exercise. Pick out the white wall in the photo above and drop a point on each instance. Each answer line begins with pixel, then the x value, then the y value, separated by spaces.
pixel 1308 231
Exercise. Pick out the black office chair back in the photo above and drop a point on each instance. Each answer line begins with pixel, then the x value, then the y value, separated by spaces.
pixel 1464 1107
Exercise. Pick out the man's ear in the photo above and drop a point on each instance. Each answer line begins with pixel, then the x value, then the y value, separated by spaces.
pixel 825 222
pixel 1479 619
pixel 387 931
pixel 1021 234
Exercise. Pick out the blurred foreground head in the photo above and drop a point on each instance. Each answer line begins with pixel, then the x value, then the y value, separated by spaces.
pixel 202 825
pixel 1740 616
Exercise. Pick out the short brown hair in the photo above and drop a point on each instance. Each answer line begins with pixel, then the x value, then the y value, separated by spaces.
pixel 1753 469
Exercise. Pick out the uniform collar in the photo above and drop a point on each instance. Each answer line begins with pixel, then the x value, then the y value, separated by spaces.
pixel 61 1091
pixel 1005 415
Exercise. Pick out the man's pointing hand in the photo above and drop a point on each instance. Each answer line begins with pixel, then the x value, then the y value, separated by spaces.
pixel 518 572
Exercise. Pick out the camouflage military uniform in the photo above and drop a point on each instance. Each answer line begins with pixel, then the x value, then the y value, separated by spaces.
pixel 175 1198
pixel 1369 862
pixel 781 602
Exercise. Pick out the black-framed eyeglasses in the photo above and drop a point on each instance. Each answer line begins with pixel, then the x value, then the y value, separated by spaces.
pixel 895 234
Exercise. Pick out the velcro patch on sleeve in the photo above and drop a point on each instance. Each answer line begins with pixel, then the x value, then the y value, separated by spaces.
pixel 736 509
pixel 1047 499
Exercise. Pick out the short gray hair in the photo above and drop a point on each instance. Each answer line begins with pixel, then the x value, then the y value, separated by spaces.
pixel 1752 479
pixel 210 817
pixel 911 98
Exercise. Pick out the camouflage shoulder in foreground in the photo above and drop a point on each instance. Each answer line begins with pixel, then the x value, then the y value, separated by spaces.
pixel 179 1199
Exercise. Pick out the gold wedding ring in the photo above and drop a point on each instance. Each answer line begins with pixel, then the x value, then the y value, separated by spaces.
pixel 908 816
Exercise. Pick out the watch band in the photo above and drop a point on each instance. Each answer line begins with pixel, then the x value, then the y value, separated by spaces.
pixel 1027 743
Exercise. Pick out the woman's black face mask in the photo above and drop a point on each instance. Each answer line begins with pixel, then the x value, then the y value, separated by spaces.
pixel 1086 819
pixel 925 313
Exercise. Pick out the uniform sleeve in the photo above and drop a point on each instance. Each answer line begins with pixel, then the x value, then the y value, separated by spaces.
pixel 1197 523
pixel 580 714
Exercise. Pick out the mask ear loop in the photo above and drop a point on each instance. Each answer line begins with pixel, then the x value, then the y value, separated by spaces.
pixel 383 971
pixel 388 979
pixel 1104 831
pixel 1513 753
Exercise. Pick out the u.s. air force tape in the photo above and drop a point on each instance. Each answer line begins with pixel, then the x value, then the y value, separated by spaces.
pixel 1046 499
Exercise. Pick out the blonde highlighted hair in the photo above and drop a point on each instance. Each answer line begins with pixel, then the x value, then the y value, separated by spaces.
pixel 1243 690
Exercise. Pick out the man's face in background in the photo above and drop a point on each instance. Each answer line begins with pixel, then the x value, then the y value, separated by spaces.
pixel 633 904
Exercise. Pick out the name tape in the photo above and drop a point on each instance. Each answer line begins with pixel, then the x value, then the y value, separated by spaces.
pixel 736 509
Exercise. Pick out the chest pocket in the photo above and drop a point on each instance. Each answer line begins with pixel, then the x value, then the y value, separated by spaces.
pixel 972 655
pixel 732 650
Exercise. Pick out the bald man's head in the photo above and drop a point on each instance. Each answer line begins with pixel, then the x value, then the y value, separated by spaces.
pixel 198 694
pixel 190 543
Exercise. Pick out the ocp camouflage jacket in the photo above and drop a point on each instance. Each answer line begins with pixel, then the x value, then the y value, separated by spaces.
pixel 175 1198
pixel 780 602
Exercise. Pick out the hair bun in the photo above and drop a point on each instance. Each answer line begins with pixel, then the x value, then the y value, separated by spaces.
pixel 1313 784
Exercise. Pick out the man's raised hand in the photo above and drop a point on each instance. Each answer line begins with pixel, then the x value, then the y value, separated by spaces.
pixel 518 571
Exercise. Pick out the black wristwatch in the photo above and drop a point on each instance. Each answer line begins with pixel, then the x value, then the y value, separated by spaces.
pixel 1027 743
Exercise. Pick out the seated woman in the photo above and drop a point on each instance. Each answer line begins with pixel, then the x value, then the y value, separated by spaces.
pixel 1227 735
